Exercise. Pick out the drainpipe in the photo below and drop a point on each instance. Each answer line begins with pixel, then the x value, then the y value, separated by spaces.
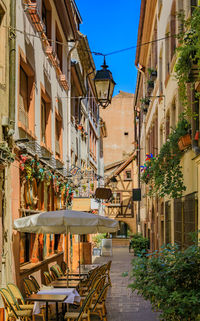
pixel 139 186
pixel 69 103
pixel 12 62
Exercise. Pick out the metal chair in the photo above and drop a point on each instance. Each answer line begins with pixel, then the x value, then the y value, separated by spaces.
pixel 17 296
pixel 48 278
pixel 84 313
pixel 37 286
pixel 13 311
pixel 99 306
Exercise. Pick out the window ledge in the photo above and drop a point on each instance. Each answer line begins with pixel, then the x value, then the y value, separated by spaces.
pixel 57 157
pixel 46 147
pixel 27 130
pixel 31 267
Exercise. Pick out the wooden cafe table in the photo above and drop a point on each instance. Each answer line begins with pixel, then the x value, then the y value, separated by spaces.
pixel 55 298
pixel 50 295
pixel 64 284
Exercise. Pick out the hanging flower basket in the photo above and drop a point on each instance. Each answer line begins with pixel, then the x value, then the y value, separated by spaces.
pixel 184 142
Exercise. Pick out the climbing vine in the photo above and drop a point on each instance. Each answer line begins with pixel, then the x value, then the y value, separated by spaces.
pixel 163 173
pixel 188 63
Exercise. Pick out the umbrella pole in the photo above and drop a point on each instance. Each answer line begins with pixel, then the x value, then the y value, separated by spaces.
pixel 79 250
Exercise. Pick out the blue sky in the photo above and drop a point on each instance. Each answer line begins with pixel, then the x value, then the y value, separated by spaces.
pixel 112 25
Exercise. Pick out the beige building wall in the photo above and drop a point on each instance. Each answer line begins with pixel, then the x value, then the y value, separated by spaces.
pixel 164 105
pixel 119 118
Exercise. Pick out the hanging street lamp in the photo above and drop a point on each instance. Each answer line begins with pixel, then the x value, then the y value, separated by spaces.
pixel 104 84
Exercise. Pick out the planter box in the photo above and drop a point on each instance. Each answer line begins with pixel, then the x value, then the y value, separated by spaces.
pixel 184 142
pixel 35 17
pixel 64 82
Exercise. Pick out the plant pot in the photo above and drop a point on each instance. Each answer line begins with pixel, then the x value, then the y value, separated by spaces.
pixel 150 84
pixel 153 75
pixel 80 127
pixel 144 109
pixel 184 142
pixel 196 137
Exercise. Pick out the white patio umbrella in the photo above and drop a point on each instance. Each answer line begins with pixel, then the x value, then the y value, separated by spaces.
pixel 65 221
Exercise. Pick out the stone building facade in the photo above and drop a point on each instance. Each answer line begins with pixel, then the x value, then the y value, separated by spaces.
pixel 50 128
pixel 157 110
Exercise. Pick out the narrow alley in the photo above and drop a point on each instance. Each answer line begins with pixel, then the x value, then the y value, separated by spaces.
pixel 122 304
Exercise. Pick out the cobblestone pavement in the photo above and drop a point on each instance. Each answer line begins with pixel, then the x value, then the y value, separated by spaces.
pixel 122 304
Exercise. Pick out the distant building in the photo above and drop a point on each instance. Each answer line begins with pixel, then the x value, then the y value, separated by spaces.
pixel 119 161
pixel 119 118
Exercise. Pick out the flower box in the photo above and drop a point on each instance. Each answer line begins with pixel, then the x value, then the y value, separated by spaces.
pixel 63 81
pixel 184 142
pixel 35 17
pixel 49 53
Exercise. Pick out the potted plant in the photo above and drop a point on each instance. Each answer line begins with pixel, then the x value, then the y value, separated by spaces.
pixel 152 73
pixel 84 187
pixel 80 127
pixel 150 85
pixel 145 101
pixel 92 186
pixel 144 109
pixel 184 141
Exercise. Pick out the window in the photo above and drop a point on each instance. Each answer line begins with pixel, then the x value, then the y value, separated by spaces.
pixel 167 51
pixel 167 126
pixel 23 98
pixel 59 48
pixel 25 239
pixel 45 119
pixel 3 36
pixel 160 74
pixel 128 175
pixel 26 98
pixel 116 198
pixel 58 136
pixel 46 17
pixel 126 133
pixel 173 29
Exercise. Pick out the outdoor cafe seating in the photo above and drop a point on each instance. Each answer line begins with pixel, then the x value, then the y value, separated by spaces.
pixel 88 297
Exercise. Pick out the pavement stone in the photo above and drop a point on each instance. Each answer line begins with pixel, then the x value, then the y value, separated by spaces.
pixel 122 304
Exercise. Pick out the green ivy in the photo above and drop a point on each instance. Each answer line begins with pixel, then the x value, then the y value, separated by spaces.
pixel 163 173
pixel 188 54
pixel 170 279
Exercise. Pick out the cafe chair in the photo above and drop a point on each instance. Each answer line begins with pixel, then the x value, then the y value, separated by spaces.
pixel 12 309
pixel 17 296
pixel 37 286
pixel 108 272
pixel 56 269
pixel 48 278
pixel 64 267
pixel 84 313
pixel 99 306
pixel 30 288
pixel 97 286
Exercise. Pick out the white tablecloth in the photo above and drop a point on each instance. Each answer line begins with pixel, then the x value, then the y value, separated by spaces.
pixel 73 295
